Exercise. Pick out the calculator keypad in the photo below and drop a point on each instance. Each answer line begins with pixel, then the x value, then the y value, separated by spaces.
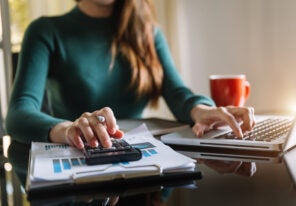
pixel 117 145
pixel 120 151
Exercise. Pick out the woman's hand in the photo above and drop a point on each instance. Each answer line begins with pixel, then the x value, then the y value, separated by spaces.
pixel 247 169
pixel 89 127
pixel 240 119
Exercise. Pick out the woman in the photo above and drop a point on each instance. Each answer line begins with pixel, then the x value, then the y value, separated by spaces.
pixel 104 58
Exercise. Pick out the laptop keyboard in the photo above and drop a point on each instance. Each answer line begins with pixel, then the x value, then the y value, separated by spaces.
pixel 266 130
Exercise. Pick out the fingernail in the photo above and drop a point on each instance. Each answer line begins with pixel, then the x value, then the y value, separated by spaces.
pixel 241 134
pixel 79 145
pixel 94 143
pixel 111 131
pixel 107 143
pixel 118 134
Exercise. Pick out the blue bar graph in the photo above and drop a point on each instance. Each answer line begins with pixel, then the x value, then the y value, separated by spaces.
pixel 56 166
pixel 66 164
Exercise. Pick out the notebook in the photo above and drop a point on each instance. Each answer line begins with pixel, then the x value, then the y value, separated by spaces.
pixel 270 134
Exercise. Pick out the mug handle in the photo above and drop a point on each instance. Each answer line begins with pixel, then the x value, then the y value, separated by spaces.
pixel 247 89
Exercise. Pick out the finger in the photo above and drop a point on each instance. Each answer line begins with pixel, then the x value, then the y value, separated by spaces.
pixel 84 125
pixel 230 120
pixel 247 117
pixel 110 119
pixel 248 120
pixel 118 134
pixel 222 166
pixel 73 137
pixel 198 129
pixel 227 167
pixel 247 169
pixel 252 115
pixel 102 134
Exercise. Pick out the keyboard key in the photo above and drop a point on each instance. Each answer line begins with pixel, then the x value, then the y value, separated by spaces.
pixel 267 130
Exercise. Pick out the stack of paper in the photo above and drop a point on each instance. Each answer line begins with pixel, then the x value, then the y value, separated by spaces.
pixel 55 164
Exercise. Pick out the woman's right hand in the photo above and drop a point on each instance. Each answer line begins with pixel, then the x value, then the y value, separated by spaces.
pixel 87 126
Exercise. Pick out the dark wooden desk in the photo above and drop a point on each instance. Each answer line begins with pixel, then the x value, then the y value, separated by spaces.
pixel 224 182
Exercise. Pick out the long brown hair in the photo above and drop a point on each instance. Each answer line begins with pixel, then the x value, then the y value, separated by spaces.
pixel 134 39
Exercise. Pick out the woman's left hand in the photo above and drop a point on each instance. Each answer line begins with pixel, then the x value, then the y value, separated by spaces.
pixel 240 119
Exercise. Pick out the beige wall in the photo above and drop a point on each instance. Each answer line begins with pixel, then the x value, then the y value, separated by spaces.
pixel 49 7
pixel 255 37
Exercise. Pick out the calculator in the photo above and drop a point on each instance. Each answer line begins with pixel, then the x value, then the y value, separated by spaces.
pixel 120 151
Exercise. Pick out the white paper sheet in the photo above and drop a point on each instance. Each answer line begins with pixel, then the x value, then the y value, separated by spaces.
pixel 56 163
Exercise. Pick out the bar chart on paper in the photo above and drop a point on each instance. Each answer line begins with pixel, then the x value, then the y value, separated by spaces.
pixel 56 164
pixel 63 164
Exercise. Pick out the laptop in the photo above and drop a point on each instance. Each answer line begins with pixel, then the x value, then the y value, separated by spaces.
pixel 270 134
pixel 234 155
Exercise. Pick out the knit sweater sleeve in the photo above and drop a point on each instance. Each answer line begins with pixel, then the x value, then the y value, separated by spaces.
pixel 178 97
pixel 25 122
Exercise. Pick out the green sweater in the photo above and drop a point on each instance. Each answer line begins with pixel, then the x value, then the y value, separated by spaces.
pixel 67 57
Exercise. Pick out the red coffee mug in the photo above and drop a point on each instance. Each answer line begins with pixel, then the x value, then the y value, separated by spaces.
pixel 229 90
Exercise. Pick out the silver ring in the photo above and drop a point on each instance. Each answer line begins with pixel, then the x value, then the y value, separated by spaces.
pixel 101 118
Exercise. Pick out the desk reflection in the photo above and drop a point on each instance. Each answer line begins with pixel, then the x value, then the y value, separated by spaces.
pixel 247 169
pixel 252 178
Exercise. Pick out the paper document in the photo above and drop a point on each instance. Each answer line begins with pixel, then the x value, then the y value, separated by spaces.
pixel 53 164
